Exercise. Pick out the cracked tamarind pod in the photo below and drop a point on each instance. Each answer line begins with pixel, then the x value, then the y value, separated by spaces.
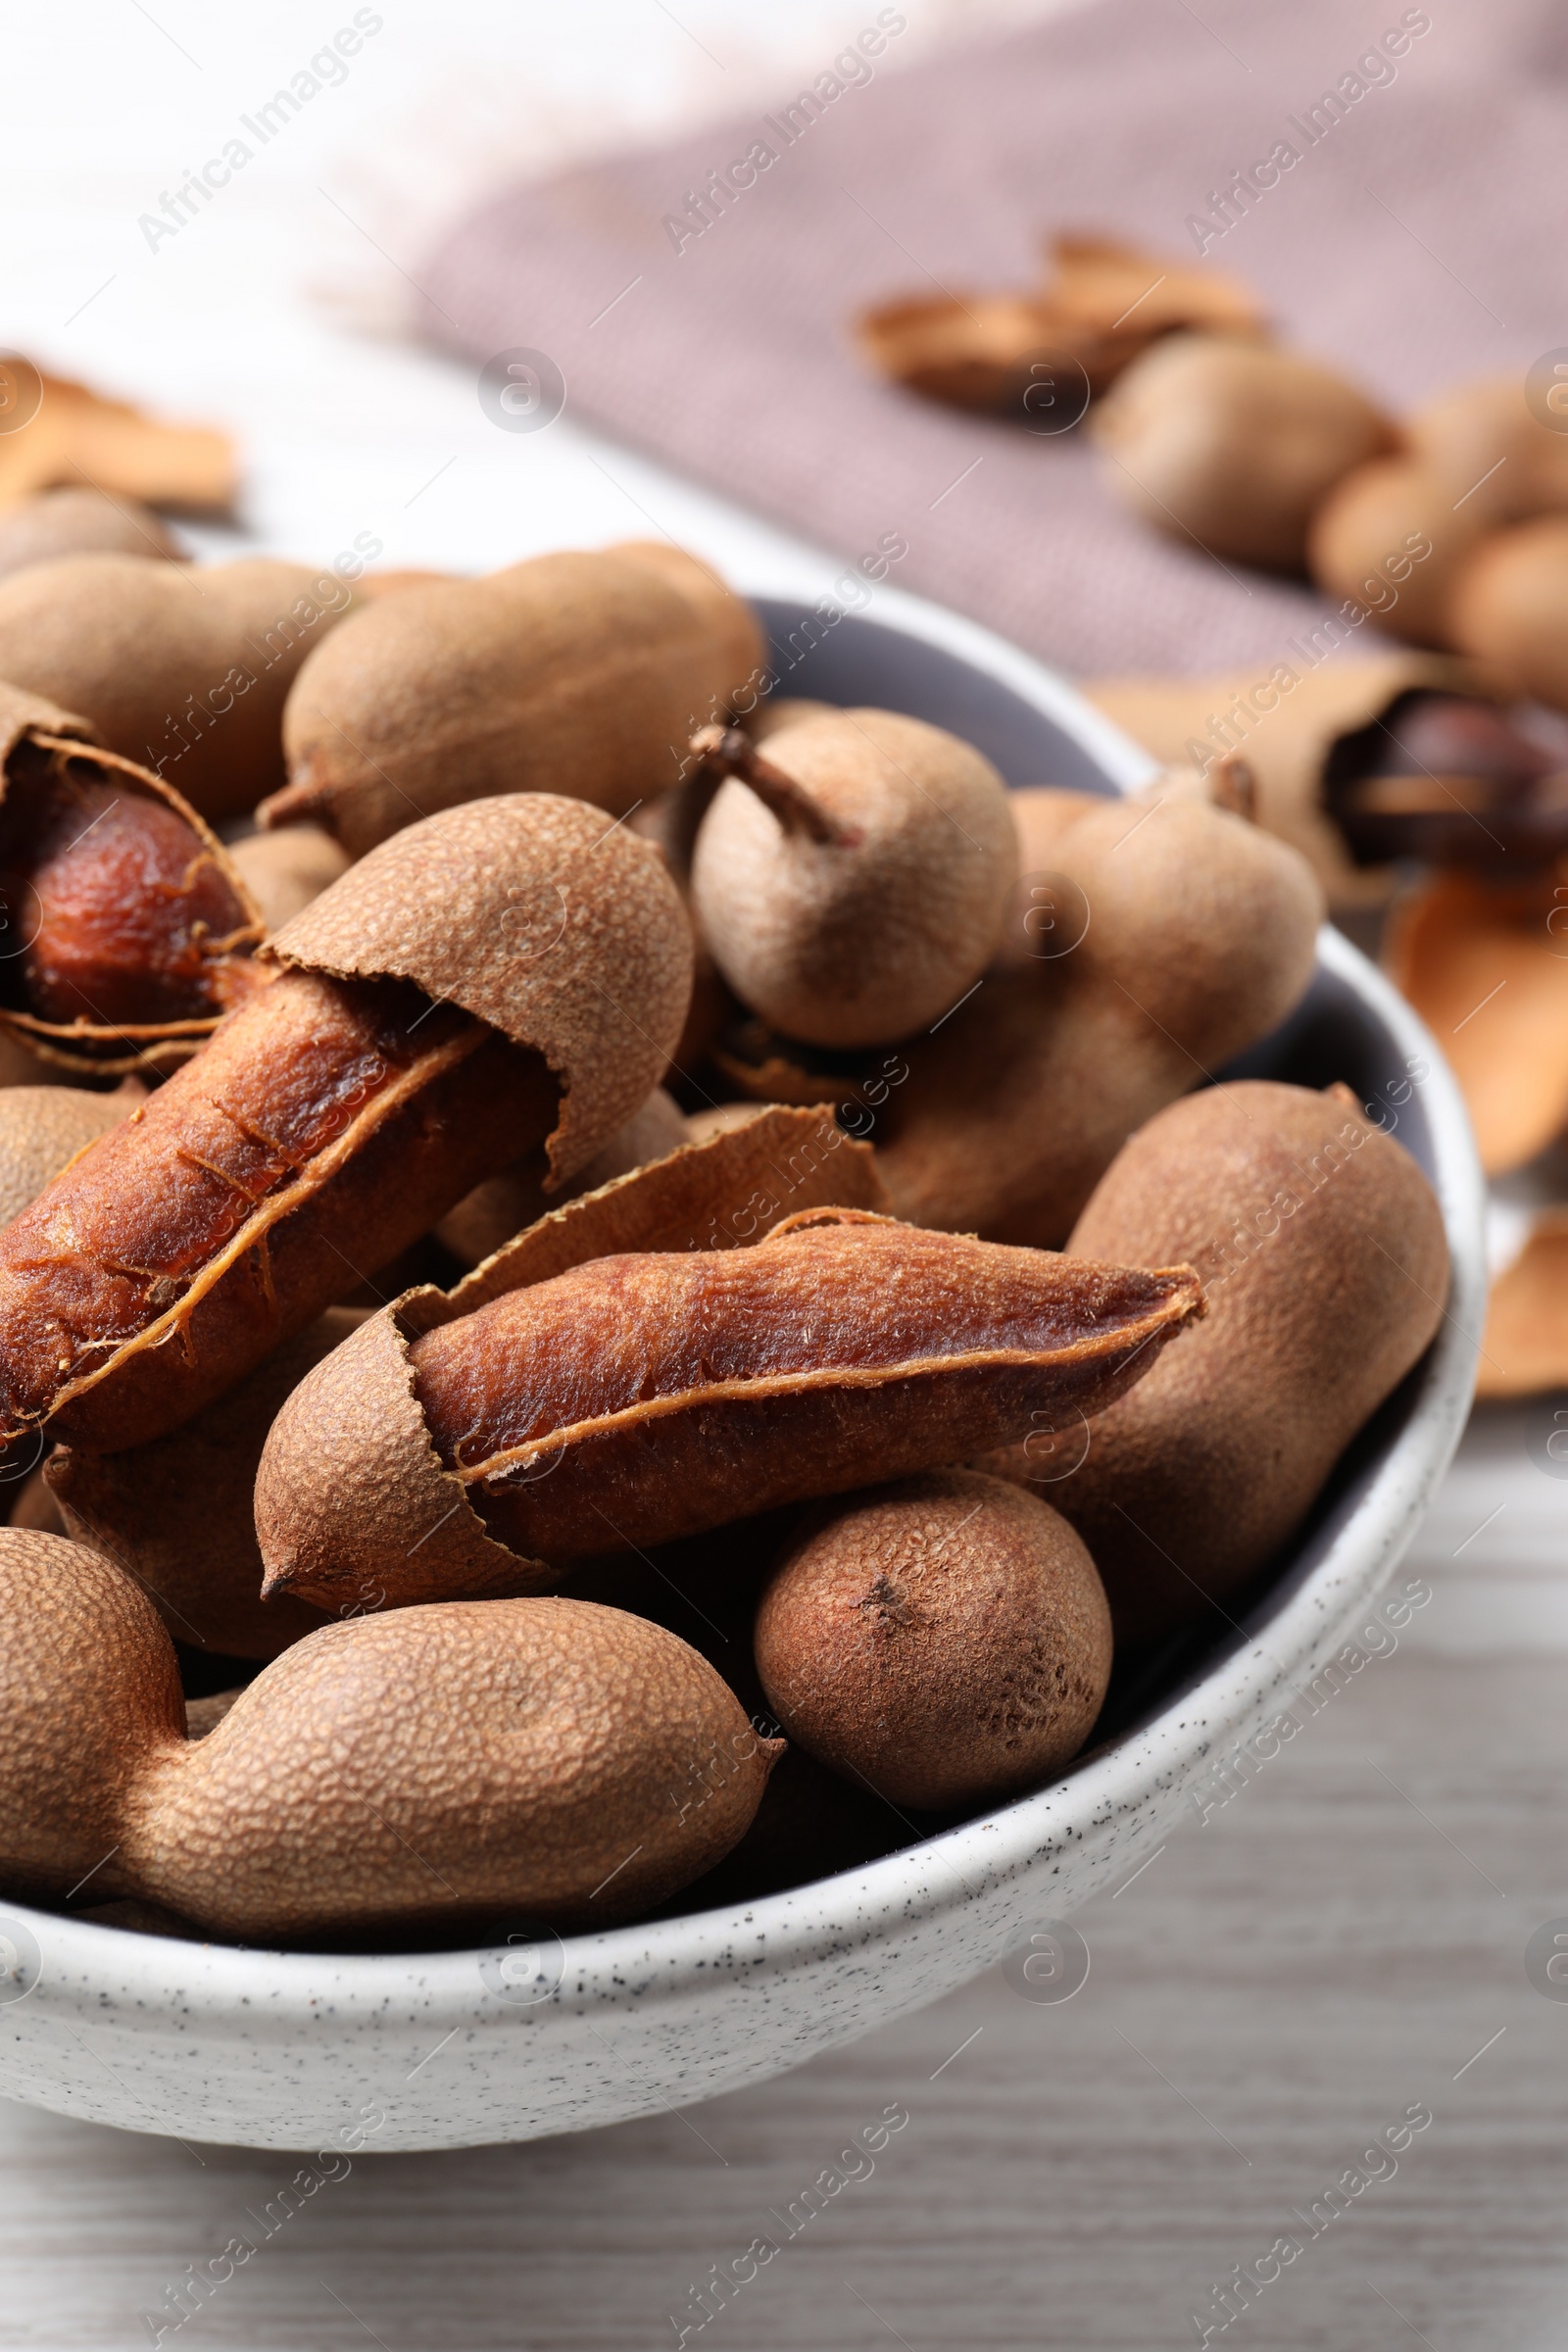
pixel 1178 935
pixel 384 1778
pixel 448 1003
pixel 647 1394
pixel 184 666
pixel 127 932
pixel 851 879
pixel 943 1640
pixel 580 674
pixel 1326 1269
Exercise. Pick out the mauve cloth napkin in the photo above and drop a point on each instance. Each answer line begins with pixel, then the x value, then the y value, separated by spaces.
pixel 1418 240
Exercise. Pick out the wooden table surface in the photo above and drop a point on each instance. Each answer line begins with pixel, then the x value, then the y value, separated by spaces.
pixel 1341 1944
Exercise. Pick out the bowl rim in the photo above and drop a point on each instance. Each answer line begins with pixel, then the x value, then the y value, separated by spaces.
pixel 947 1871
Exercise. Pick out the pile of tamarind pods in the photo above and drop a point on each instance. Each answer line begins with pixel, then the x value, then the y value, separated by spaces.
pixel 650 1293
pixel 1427 785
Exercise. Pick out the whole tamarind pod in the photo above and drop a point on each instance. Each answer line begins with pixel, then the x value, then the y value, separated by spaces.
pixel 177 1514
pixel 455 998
pixel 506 1204
pixel 646 1395
pixel 1179 934
pixel 1326 1268
pixel 79 522
pixel 182 666
pixel 942 1641
pixel 430 1769
pixel 850 880
pixel 580 674
pixel 1390 538
pixel 131 931
pixel 1233 444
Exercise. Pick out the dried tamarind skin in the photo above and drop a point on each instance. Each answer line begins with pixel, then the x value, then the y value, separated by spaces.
pixel 641 1397
pixel 323 1128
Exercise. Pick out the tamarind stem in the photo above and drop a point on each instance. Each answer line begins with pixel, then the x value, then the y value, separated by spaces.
pixel 729 753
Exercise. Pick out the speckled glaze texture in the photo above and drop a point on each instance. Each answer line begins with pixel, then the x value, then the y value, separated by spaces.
pixel 510 2042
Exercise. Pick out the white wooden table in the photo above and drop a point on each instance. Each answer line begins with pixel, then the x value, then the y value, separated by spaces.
pixel 1341 1943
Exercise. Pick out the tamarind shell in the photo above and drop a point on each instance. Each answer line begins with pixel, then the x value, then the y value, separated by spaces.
pixel 640 1397
pixel 577 674
pixel 362 1503
pixel 1325 1265
pixel 185 668
pixel 38 741
pixel 1287 747
pixel 566 935
pixel 177 1513
pixel 1197 936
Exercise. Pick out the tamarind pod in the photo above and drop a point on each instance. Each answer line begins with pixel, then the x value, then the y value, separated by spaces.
pixel 1322 1249
pixel 132 931
pixel 334 1508
pixel 641 1397
pixel 334 1118
pixel 182 666
pixel 431 1769
pixel 1196 936
pixel 323 1128
pixel 71 521
pixel 176 1513
pixel 579 675
pixel 1290 744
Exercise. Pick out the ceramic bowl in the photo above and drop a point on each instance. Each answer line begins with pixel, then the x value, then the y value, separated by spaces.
pixel 273 2049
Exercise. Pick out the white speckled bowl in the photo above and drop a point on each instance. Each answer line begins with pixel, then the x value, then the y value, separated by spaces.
pixel 447 2049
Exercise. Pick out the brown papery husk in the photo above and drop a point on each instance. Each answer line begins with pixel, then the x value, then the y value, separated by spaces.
pixel 1198 937
pixel 1524 1350
pixel 177 1513
pixel 1186 722
pixel 111 1050
pixel 183 667
pixel 1325 1264
pixel 1486 968
pixel 815 1411
pixel 526 911
pixel 438 1769
pixel 580 674
pixel 359 1499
